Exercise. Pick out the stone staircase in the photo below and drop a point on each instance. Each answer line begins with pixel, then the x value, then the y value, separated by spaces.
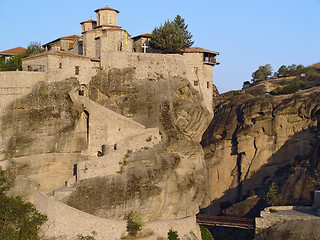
pixel 119 137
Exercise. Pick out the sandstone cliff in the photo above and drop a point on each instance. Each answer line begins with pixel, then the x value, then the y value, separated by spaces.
pixel 44 137
pixel 255 137
pixel 164 182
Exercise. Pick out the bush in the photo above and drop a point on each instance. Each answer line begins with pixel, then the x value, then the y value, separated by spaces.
pixel 294 87
pixel 205 233
pixel 173 235
pixel 19 220
pixel 273 196
pixel 88 237
pixel 134 223
pixel 271 210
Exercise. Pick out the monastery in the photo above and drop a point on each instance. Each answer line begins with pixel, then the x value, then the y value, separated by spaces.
pixel 105 45
pixel 102 139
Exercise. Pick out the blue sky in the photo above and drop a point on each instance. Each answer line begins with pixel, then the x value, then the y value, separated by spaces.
pixel 247 33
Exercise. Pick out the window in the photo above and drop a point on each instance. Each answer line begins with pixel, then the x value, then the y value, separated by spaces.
pixel 60 65
pixel 196 83
pixel 77 70
pixel 30 69
pixel 208 84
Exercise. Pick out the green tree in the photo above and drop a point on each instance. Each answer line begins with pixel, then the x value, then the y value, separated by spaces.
pixel 134 223
pixel 187 42
pixel 168 37
pixel 262 73
pixel 205 233
pixel 19 220
pixel 282 71
pixel 34 48
pixel 173 235
pixel 273 196
pixel 14 63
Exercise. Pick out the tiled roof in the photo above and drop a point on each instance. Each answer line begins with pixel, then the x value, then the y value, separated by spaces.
pixel 60 53
pixel 71 37
pixel 199 50
pixel 146 35
pixel 14 51
pixel 89 21
pixel 106 8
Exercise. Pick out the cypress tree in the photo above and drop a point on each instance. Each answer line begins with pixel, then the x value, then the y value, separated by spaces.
pixel 187 42
pixel 168 37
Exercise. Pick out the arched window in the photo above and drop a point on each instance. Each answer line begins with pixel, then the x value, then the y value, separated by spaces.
pixel 120 46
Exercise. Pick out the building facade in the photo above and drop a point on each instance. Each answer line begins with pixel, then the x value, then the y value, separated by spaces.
pixel 105 45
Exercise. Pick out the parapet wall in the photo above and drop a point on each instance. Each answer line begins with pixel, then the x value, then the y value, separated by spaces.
pixel 67 222
pixel 15 84
pixel 147 66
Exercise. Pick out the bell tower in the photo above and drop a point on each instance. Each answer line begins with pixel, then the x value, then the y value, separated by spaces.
pixel 107 17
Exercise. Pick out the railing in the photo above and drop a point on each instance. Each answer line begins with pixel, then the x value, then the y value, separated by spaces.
pixel 235 222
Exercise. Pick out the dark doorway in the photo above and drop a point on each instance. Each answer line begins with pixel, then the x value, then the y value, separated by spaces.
pixel 87 118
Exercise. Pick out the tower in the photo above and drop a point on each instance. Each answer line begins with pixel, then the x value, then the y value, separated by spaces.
pixel 107 17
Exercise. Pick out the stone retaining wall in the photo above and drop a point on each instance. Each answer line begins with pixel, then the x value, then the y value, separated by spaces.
pixel 66 223
pixel 268 219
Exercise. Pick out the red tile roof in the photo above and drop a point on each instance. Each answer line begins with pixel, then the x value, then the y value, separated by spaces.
pixel 89 21
pixel 106 8
pixel 70 37
pixel 146 35
pixel 199 50
pixel 14 51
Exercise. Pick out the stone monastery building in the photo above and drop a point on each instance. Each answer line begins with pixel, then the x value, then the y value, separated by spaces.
pixel 105 45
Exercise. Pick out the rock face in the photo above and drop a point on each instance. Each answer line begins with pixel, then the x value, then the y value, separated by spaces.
pixel 255 136
pixel 292 230
pixel 165 182
pixel 42 122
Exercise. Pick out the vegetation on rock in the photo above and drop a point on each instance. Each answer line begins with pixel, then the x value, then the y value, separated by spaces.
pixel 19 220
pixel 262 73
pixel 134 223
pixel 205 233
pixel 273 196
pixel 173 235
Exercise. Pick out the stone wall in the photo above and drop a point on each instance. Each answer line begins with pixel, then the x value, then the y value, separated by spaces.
pixel 67 222
pixel 58 67
pixel 105 126
pixel 107 17
pixel 114 40
pixel 200 75
pixel 148 66
pixel 45 172
pixel 87 68
pixel 15 84
pixel 109 164
pixel 268 219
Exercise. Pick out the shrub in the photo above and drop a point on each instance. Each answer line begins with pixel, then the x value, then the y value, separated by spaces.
pixel 251 193
pixel 88 237
pixel 205 233
pixel 273 196
pixel 271 210
pixel 173 235
pixel 18 219
pixel 134 223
